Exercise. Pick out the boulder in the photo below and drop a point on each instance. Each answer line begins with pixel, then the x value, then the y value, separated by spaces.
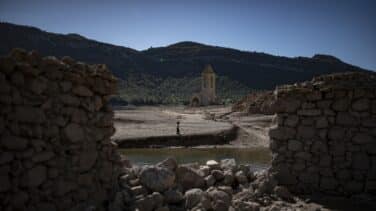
pixel 212 164
pixel 226 189
pixel 188 178
pixel 204 171
pixel 228 178
pixel 265 184
pixel 219 196
pixel 193 197
pixel 157 199
pixel 144 204
pixel 138 190
pixel 241 177
pixel 220 205
pixel 157 179
pixel 240 205
pixel 164 208
pixel 210 180
pixel 217 174
pixel 169 163
pixel 228 164
pixel 173 196
pixel 283 193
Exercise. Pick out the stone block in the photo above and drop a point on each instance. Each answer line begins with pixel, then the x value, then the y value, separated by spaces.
pixel 288 105
pixel 82 91
pixel 294 145
pixel 309 178
pixel 36 176
pixel 283 175
pixel 363 138
pixel 362 104
pixel 282 133
pixel 325 161
pixel 74 132
pixel 325 104
pixel 291 120
pixel 305 132
pixel 341 105
pixel 360 161
pixel 328 183
pixel 336 133
pixel 354 187
pixel 346 119
pixel 309 112
pixel 322 122
pixel 29 114
pixel 13 142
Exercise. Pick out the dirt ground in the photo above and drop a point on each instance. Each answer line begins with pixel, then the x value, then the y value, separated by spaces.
pixel 152 121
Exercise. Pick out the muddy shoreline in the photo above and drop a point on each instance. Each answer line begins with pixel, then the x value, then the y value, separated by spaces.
pixel 219 138
pixel 154 127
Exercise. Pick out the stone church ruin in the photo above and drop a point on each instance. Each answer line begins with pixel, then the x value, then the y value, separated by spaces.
pixel 207 95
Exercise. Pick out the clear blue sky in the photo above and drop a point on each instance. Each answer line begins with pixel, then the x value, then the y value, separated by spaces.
pixel 345 29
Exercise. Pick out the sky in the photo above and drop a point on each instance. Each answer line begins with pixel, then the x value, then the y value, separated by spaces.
pixel 343 28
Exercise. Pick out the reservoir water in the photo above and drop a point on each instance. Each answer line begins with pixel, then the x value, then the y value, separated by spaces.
pixel 258 158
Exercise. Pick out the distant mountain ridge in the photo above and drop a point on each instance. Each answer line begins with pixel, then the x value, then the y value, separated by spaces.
pixel 184 59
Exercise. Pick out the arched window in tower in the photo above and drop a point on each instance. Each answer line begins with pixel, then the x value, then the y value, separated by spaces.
pixel 212 82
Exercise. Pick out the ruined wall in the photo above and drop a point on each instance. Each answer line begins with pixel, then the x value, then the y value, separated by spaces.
pixel 259 102
pixel 55 126
pixel 325 138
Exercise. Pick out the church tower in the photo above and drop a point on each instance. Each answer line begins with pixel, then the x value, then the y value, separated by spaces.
pixel 208 85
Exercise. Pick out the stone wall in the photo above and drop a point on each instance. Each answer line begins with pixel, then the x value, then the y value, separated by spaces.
pixel 55 125
pixel 258 102
pixel 325 137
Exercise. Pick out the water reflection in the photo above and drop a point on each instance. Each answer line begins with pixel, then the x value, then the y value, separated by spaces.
pixel 259 158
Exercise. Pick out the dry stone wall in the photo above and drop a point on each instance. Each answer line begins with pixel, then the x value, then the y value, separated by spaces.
pixel 325 137
pixel 55 125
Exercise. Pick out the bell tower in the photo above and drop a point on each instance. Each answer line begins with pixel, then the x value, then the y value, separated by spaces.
pixel 208 85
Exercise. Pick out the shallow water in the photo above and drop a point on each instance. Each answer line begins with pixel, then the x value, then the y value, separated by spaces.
pixel 258 158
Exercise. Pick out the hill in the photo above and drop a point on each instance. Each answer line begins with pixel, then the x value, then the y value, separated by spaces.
pixel 167 70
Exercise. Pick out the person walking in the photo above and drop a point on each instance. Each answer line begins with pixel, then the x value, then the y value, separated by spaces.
pixel 178 128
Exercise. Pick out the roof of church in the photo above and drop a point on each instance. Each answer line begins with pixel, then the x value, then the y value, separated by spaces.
pixel 208 69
